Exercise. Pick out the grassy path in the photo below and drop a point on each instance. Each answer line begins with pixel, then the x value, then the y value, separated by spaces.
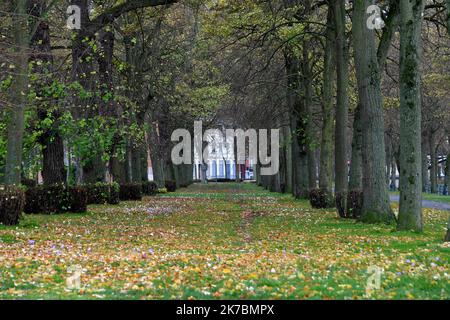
pixel 223 241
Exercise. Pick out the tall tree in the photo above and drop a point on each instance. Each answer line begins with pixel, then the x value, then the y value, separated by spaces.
pixel 356 165
pixel 41 57
pixel 356 170
pixel 447 168
pixel 83 55
pixel 432 146
pixel 341 163
pixel 376 204
pixel 410 213
pixel 447 236
pixel 18 92
pixel 326 147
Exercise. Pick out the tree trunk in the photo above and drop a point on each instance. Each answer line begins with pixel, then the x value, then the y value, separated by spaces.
pixel 326 146
pixel 410 212
pixel 17 95
pixel 393 182
pixel 257 174
pixel 53 169
pixel 282 172
pixel 388 161
pixel 425 175
pixel 356 173
pixel 434 162
pixel 448 15
pixel 447 171
pixel 301 120
pixel 376 204
pixel 341 166
pixel 136 164
pixel 155 155
pixel 299 141
pixel 292 96
pixel 447 236
pixel 306 117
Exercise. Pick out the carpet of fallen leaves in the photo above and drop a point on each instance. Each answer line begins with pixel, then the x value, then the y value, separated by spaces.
pixel 221 241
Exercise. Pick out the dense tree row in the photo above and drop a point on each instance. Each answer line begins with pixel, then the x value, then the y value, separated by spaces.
pixel 357 98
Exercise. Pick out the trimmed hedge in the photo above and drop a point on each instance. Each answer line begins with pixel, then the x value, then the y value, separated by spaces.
pixel 98 193
pixel 55 199
pixel 219 180
pixel 29 183
pixel 103 193
pixel 114 193
pixel 321 199
pixel 12 201
pixel 171 186
pixel 78 199
pixel 46 199
pixel 149 188
pixel 131 192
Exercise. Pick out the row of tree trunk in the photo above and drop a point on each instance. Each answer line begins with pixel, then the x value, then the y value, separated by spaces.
pixel 368 144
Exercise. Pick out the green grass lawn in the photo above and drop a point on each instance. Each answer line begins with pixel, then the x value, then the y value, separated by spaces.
pixel 221 241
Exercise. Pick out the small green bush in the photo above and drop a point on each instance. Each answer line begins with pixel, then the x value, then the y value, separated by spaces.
pixel 171 186
pixel 321 199
pixel 162 190
pixel 149 188
pixel 103 193
pixel 46 199
pixel 114 193
pixel 131 192
pixel 77 199
pixel 55 199
pixel 29 183
pixel 12 201
pixel 98 193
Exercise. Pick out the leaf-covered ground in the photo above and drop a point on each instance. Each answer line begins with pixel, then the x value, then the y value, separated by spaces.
pixel 224 241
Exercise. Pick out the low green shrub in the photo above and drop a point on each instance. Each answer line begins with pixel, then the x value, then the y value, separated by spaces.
pixel 46 199
pixel 171 186
pixel 12 201
pixel 103 193
pixel 78 199
pixel 149 188
pixel 162 190
pixel 321 199
pixel 55 199
pixel 131 192
pixel 114 193
pixel 219 180
pixel 29 183
pixel 98 193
